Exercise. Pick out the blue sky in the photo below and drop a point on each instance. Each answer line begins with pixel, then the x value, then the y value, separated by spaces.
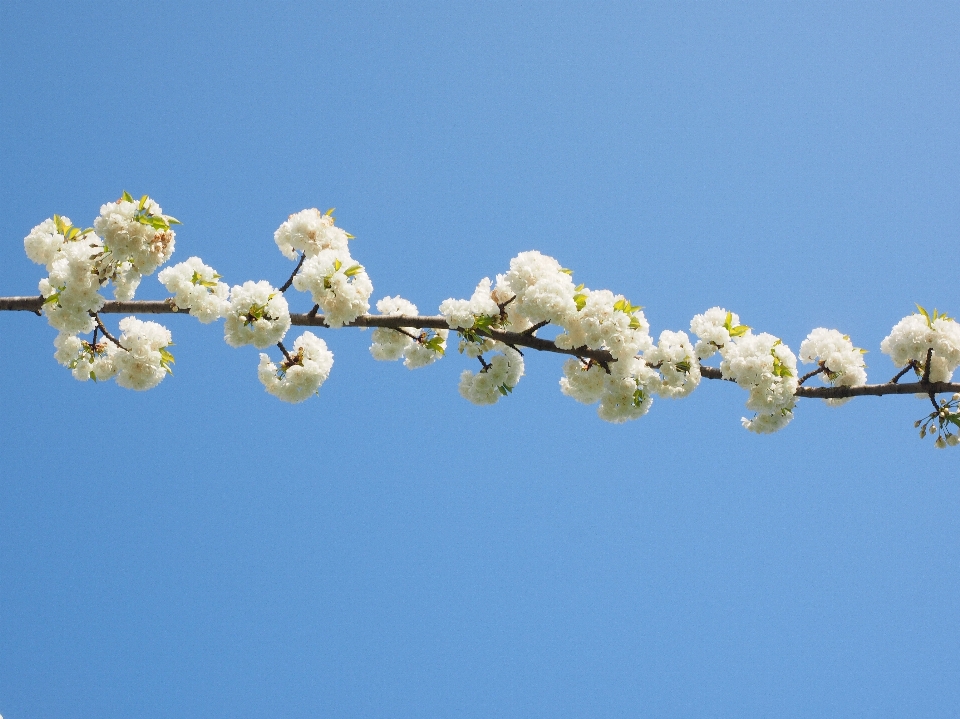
pixel 387 549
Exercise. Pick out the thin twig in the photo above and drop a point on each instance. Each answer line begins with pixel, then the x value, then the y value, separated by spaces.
pixel 814 373
pixel 912 364
pixel 404 332
pixel 313 312
pixel 285 353
pixel 533 330
pixel 286 285
pixel 103 329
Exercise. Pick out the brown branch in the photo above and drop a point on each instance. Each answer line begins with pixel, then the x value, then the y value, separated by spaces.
pixel 912 364
pixel 404 332
pixel 533 330
pixel 103 329
pixel 286 285
pixel 602 357
pixel 813 373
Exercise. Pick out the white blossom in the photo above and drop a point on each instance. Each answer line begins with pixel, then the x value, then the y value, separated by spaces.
pixel 463 313
pixel 914 335
pixel 676 361
pixel 137 232
pixel 86 360
pixel 310 232
pixel 197 287
pixel 842 363
pixel 713 329
pixel 543 290
pixel 418 348
pixel 71 292
pixel 582 381
pixel 300 376
pixel 627 393
pixel 44 242
pixel 338 284
pixel 768 422
pixel 495 380
pixel 258 315
pixel 429 347
pixel 607 321
pixel 146 360
pixel 767 368
pixel 388 344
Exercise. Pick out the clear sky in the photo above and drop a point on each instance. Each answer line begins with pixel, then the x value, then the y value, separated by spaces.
pixel 389 550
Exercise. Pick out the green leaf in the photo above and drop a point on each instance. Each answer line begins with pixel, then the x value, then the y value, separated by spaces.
pixel 126 197
pixel 580 300
pixel 143 202
pixel 172 220
pixel 93 375
pixel 337 264
pixel 435 343
pixel 329 213
pixel 566 271
pixel 683 366
pixel 505 389
pixel 355 270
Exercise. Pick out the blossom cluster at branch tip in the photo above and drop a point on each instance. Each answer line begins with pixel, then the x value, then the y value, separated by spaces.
pixel 301 373
pixel 914 336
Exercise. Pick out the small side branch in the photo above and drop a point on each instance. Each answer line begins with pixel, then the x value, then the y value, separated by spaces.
pixel 814 373
pixel 912 364
pixel 533 330
pixel 286 285
pixel 103 329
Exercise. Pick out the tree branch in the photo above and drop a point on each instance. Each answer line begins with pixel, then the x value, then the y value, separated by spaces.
pixel 521 339
pixel 286 285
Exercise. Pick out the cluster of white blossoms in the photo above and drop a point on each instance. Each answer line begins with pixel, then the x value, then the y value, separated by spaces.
pixel 417 350
pixel 128 239
pixel 300 375
pixel 197 287
pixel 86 360
pixel 258 315
pixel 136 232
pixel 145 359
pixel 614 361
pixel 497 378
pixel 840 362
pixel 760 363
pixel 913 337
pixel 338 284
